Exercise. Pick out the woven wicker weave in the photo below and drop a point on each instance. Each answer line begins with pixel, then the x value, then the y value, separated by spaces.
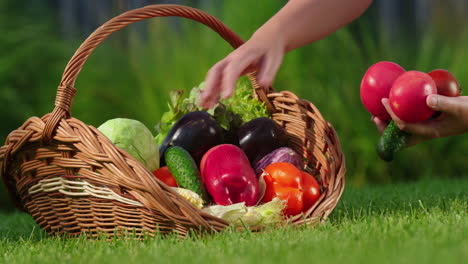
pixel 73 180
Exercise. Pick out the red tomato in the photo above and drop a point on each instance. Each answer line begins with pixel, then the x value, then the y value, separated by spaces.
pixel 408 96
pixel 446 83
pixel 311 190
pixel 376 84
pixel 164 175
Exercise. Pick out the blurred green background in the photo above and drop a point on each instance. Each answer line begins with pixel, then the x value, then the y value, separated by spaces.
pixel 130 74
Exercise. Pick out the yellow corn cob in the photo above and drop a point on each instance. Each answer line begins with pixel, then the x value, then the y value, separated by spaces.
pixel 191 196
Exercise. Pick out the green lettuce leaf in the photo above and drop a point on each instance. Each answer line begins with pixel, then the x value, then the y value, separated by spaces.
pixel 230 113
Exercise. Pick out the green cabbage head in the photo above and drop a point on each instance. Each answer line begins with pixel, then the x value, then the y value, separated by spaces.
pixel 135 138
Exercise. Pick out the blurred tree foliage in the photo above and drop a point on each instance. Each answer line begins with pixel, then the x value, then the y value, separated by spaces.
pixel 32 55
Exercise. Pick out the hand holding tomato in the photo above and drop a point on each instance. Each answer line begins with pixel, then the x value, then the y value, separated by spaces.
pixel 452 118
pixel 452 121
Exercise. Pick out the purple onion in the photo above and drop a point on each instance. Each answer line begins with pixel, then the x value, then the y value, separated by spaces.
pixel 283 154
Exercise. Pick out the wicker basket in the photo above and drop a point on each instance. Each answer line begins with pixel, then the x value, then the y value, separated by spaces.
pixel 73 180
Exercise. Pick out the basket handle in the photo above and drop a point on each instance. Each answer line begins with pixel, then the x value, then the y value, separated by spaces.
pixel 66 90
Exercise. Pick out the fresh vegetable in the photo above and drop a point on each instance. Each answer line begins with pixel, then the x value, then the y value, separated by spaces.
pixel 392 141
pixel 190 196
pixel 259 137
pixel 238 214
pixel 228 176
pixel 184 170
pixel 408 101
pixel 376 84
pixel 133 137
pixel 230 136
pixel 195 132
pixel 283 154
pixel 244 104
pixel 231 213
pixel 231 113
pixel 299 189
pixel 165 175
pixel 310 189
pixel 265 214
pixel 446 83
pixel 408 96
pixel 169 118
pixel 283 181
pixel 180 106
pixel 223 113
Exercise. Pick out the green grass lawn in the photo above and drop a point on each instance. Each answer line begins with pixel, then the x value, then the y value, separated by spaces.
pixel 423 222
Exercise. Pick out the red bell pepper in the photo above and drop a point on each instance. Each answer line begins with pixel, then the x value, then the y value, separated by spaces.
pixel 228 177
pixel 299 189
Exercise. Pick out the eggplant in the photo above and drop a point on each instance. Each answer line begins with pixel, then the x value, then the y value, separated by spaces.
pixel 283 154
pixel 230 137
pixel 195 132
pixel 260 136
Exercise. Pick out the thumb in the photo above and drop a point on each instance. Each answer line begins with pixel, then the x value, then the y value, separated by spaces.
pixel 442 103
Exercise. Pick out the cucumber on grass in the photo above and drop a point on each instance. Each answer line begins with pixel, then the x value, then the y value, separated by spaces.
pixel 392 140
pixel 185 170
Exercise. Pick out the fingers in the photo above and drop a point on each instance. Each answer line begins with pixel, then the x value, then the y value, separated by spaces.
pixel 421 129
pixel 395 118
pixel 222 77
pixel 233 71
pixel 210 95
pixel 270 67
pixel 444 104
pixel 381 125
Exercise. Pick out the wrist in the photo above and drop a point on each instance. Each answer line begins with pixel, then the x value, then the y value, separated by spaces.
pixel 271 35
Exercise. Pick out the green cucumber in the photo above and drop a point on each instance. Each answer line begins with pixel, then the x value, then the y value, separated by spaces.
pixel 184 169
pixel 392 140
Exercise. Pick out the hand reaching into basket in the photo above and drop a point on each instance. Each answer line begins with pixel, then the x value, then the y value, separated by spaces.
pixel 298 23
pixel 452 121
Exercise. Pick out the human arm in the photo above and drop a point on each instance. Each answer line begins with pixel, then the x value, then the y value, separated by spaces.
pixel 298 23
